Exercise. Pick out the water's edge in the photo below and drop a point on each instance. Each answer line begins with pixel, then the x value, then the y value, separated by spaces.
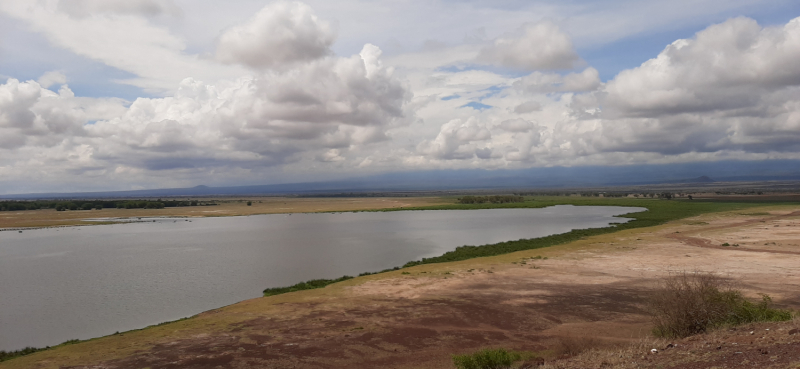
pixel 460 253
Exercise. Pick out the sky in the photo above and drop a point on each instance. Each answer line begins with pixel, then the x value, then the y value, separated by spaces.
pixel 134 94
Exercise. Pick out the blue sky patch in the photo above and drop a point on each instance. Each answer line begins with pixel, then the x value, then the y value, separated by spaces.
pixel 506 72
pixel 491 91
pixel 476 105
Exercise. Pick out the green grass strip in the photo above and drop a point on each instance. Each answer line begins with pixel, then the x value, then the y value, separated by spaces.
pixel 308 285
pixel 8 355
pixel 658 212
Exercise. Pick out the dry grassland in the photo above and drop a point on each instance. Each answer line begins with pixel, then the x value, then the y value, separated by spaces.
pixel 226 207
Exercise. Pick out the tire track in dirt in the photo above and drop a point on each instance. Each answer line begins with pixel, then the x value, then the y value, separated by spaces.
pixel 705 243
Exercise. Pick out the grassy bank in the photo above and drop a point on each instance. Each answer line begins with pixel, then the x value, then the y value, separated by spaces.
pixel 8 355
pixel 658 212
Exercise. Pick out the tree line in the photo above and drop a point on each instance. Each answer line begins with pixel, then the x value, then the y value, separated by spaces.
pixel 61 205
pixel 496 199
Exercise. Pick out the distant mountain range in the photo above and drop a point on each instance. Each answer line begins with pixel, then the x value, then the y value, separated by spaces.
pixel 701 179
pixel 522 179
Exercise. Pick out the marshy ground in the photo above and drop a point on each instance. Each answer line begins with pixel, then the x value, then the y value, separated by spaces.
pixel 533 300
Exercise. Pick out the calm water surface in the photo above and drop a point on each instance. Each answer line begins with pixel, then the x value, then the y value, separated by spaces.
pixel 83 282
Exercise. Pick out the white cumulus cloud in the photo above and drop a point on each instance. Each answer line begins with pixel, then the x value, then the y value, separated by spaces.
pixel 538 82
pixel 52 78
pixel 457 139
pixel 322 109
pixel 734 86
pixel 269 98
pixel 534 46
pixel 279 34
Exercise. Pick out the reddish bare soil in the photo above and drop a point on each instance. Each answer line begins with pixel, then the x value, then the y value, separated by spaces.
pixel 754 346
pixel 398 333
pixel 764 345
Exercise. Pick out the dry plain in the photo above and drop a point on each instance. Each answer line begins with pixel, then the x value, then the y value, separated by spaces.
pixel 417 317
pixel 224 207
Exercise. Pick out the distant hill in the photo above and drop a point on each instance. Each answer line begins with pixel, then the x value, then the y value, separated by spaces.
pixel 466 179
pixel 701 179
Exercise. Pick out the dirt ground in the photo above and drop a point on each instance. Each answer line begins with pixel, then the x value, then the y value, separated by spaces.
pixel 418 317
pixel 225 207
pixel 763 345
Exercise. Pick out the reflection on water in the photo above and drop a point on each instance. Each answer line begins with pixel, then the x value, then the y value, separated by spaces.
pixel 82 282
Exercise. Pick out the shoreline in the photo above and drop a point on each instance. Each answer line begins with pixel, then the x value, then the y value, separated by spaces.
pixel 606 231
pixel 91 223
pixel 291 288
pixel 43 218
pixel 441 273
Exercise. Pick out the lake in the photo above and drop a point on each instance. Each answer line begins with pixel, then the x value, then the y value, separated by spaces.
pixel 58 284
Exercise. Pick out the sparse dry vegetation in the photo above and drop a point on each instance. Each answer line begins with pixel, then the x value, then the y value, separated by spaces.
pixel 690 303
pixel 684 304
pixel 619 357
pixel 770 345
pixel 572 346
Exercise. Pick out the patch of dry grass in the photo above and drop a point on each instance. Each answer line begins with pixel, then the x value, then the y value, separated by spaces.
pixel 617 357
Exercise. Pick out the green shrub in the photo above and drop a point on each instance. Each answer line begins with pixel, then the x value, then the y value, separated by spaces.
pixel 498 199
pixel 308 285
pixel 690 303
pixel 487 359
pixel 8 355
pixel 744 311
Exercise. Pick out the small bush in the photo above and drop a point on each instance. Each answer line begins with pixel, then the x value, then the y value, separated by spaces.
pixel 692 303
pixel 572 346
pixel 743 311
pixel 487 359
